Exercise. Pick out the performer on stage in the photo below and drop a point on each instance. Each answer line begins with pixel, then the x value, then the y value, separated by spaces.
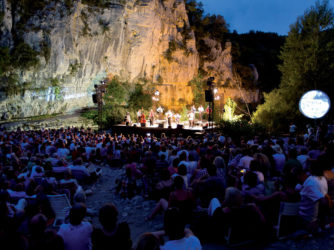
pixel 151 117
pixel 200 112
pixel 160 111
pixel 177 118
pixel 138 115
pixel 191 117
pixel 193 108
pixel 142 119
pixel 169 115
pixel 128 119
pixel 208 110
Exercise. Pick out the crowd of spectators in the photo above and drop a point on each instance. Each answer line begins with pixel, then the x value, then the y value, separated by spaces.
pixel 210 186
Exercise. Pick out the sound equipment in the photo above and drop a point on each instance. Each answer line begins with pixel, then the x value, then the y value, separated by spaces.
pixel 179 126
pixel 208 96
pixel 161 125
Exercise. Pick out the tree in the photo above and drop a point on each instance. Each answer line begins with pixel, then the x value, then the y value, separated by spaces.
pixel 139 99
pixel 229 113
pixel 308 63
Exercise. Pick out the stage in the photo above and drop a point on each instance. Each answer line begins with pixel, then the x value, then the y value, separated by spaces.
pixel 161 126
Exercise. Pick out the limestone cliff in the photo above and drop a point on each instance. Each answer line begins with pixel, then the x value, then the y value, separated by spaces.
pixel 127 38
pixel 78 45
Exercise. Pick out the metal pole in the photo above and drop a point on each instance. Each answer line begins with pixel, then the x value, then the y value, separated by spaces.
pixel 213 109
pixel 99 107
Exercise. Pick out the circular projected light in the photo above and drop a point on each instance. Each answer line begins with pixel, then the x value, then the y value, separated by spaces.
pixel 314 104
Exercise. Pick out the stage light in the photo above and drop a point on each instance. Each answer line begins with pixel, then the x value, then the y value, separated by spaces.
pixel 215 91
pixel 157 93
pixel 314 104
pixel 217 98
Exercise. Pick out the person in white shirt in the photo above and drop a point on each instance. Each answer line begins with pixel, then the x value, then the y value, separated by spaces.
pixel 179 237
pixel 279 157
pixel 62 152
pixel 191 117
pixel 245 160
pixel 77 233
pixel 200 112
pixel 313 194
pixel 302 158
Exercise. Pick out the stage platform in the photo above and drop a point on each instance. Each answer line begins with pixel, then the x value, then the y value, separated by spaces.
pixel 158 128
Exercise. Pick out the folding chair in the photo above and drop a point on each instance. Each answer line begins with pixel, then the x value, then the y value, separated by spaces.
pixel 289 211
pixel 61 206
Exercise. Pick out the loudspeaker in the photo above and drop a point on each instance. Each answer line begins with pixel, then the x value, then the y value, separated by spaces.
pixel 208 96
pixel 94 98
pixel 179 126
pixel 161 125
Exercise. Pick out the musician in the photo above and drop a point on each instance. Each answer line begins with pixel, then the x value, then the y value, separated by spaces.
pixel 128 119
pixel 208 110
pixel 151 117
pixel 200 112
pixel 193 108
pixel 177 118
pixel 191 117
pixel 160 111
pixel 169 115
pixel 138 115
pixel 143 119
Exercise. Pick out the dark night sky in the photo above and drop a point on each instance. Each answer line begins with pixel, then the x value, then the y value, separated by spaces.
pixel 261 15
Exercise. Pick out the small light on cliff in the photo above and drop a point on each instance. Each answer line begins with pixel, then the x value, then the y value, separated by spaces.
pixel 157 93
pixel 217 98
pixel 215 91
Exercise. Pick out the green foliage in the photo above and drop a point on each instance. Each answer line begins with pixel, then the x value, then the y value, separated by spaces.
pixel 2 15
pixel 29 7
pixel 160 80
pixel 68 4
pixel 212 26
pixel 240 128
pixel 138 99
pixel 116 93
pixel 54 82
pixel 229 111
pixel 74 67
pixel 184 114
pixel 102 3
pixel 262 50
pixel 24 57
pixel 198 86
pixel 308 63
pixel 5 60
pixel 120 98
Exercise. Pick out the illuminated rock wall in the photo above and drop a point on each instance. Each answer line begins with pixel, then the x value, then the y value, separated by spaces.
pixel 127 39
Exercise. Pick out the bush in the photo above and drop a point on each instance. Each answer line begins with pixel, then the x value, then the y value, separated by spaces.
pixel 240 128
pixel 138 99
pixel 24 57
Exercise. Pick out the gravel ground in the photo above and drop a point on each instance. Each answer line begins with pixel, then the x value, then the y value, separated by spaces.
pixel 135 210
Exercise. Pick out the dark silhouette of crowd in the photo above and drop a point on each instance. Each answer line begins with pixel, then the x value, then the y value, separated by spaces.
pixel 210 188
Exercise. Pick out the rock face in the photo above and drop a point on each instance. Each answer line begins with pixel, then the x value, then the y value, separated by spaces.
pixel 87 44
pixel 81 45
